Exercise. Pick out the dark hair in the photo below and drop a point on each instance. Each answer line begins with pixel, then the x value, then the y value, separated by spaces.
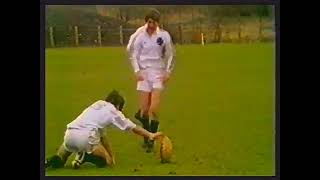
pixel 116 99
pixel 152 14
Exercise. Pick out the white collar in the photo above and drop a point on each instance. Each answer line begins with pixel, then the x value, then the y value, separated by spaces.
pixel 145 29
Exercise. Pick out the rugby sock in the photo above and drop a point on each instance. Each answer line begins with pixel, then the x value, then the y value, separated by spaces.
pixel 96 160
pixel 146 126
pixel 63 153
pixel 54 162
pixel 154 124
pixel 137 115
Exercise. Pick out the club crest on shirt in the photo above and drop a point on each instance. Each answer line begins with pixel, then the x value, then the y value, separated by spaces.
pixel 159 41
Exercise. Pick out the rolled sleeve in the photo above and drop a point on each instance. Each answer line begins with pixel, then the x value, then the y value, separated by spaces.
pixel 123 123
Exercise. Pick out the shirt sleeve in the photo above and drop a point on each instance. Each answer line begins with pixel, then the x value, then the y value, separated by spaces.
pixel 135 53
pixel 121 122
pixel 169 54
pixel 129 46
pixel 133 37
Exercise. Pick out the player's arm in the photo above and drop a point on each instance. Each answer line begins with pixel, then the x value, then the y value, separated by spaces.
pixel 142 132
pixel 169 54
pixel 129 46
pixel 133 37
pixel 135 53
pixel 134 58
pixel 123 123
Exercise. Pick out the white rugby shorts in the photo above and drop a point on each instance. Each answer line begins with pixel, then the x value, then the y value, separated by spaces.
pixel 152 80
pixel 81 140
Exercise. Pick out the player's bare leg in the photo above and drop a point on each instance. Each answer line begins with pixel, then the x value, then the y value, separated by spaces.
pixel 58 160
pixel 143 114
pixel 100 157
pixel 106 144
pixel 153 114
pixel 100 151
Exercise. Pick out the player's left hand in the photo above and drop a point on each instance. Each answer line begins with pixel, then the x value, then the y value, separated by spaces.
pixel 166 77
pixel 113 161
pixel 110 161
pixel 156 135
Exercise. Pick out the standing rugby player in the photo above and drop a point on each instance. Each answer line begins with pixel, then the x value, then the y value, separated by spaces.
pixel 151 53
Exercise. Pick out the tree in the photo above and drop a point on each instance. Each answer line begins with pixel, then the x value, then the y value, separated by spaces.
pixel 215 14
pixel 124 13
pixel 262 11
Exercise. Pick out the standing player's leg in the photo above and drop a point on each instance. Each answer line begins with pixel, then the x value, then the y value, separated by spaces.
pixel 144 94
pixel 156 77
pixel 144 104
pixel 153 114
pixel 143 114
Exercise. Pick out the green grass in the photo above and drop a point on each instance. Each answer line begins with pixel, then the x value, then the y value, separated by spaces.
pixel 218 108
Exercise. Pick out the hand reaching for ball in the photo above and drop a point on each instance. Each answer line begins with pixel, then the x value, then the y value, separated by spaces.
pixel 155 136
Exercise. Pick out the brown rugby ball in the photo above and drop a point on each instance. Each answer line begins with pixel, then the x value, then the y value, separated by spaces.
pixel 165 149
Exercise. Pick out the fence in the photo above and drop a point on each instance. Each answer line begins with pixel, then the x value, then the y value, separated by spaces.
pixel 73 36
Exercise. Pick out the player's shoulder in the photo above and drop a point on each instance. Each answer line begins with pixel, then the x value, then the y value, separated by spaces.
pixel 164 32
pixel 140 35
pixel 100 104
pixel 142 31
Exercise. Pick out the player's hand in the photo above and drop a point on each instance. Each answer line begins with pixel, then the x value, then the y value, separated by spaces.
pixel 113 161
pixel 155 136
pixel 166 77
pixel 139 76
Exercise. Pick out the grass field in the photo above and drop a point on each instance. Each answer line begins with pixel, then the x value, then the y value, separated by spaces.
pixel 218 108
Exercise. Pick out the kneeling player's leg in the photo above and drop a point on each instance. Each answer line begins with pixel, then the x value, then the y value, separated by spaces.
pixel 58 160
pixel 101 153
pixel 79 159
pixel 100 157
